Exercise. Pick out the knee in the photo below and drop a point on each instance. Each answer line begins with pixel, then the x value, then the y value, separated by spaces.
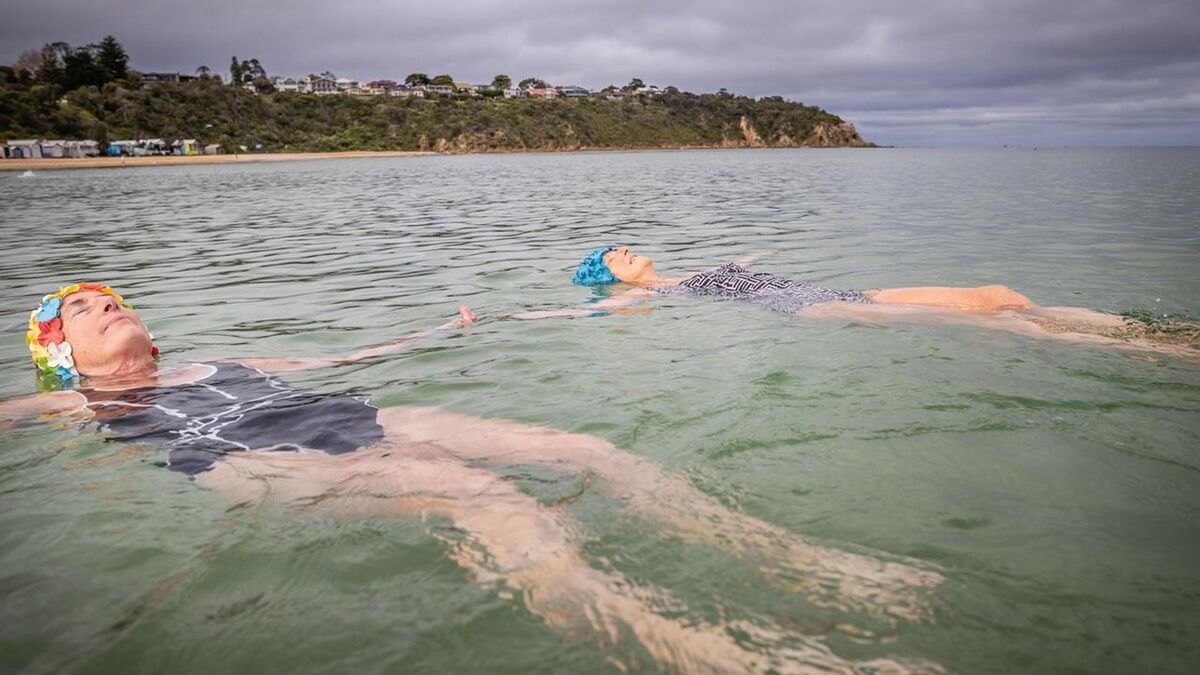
pixel 998 296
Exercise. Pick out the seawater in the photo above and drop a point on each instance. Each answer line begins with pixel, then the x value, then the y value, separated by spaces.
pixel 1055 487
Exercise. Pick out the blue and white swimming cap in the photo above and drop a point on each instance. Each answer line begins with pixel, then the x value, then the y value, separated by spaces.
pixel 592 271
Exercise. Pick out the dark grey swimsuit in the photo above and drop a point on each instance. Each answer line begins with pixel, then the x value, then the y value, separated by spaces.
pixel 235 408
pixel 770 290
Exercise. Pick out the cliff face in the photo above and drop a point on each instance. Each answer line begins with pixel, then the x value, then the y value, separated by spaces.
pixel 745 135
pixel 842 135
pixel 823 135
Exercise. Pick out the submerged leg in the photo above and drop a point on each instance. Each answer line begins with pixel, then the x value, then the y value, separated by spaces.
pixel 513 541
pixel 831 578
pixel 1067 324
pixel 978 299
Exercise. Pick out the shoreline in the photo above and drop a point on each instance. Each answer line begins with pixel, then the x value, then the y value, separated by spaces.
pixel 54 164
pixel 177 160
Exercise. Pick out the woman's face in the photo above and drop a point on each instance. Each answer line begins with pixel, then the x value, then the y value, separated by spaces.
pixel 628 267
pixel 102 333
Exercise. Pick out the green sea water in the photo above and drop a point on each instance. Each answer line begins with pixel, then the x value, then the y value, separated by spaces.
pixel 1055 488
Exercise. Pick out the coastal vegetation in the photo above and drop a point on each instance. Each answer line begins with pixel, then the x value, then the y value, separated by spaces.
pixel 90 93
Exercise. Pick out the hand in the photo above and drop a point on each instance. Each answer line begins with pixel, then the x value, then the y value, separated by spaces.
pixel 466 317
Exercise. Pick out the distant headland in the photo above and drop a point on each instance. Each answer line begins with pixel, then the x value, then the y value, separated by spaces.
pixel 63 102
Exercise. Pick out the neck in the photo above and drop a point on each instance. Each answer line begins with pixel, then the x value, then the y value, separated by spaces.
pixel 652 280
pixel 649 277
pixel 127 373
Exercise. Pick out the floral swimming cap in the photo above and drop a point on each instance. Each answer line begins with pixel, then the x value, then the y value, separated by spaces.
pixel 592 271
pixel 49 348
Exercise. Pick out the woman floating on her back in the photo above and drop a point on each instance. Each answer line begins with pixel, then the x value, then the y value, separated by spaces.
pixel 991 306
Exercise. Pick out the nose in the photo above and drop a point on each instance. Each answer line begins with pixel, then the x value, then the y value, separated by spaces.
pixel 109 303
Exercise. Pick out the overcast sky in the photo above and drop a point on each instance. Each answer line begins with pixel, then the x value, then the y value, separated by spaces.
pixel 914 72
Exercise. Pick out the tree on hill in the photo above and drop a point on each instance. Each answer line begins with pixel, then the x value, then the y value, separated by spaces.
pixel 81 69
pixel 416 79
pixel 27 63
pixel 443 79
pixel 111 57
pixel 634 84
pixel 59 49
pixel 249 71
pixel 203 72
pixel 59 64
pixel 50 69
pixel 252 70
pixel 534 82
pixel 501 82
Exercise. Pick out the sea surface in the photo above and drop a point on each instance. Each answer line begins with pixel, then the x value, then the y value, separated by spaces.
pixel 1051 489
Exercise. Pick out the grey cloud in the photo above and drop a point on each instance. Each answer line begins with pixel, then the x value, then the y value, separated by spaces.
pixel 918 72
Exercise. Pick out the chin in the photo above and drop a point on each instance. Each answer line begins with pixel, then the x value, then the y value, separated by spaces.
pixel 129 337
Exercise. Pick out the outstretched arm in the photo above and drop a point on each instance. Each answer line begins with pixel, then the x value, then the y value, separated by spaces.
pixel 50 403
pixel 747 259
pixel 618 304
pixel 465 318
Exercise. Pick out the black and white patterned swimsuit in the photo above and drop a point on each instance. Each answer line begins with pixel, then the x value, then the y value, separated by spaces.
pixel 232 409
pixel 770 290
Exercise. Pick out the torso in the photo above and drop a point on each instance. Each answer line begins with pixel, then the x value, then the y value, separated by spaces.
pixel 771 290
pixel 204 411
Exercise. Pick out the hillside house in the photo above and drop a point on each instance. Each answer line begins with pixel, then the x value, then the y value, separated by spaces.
pixel 408 92
pixel 150 79
pixel 287 84
pixel 317 84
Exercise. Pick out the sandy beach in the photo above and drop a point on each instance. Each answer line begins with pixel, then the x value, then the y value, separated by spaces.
pixel 119 162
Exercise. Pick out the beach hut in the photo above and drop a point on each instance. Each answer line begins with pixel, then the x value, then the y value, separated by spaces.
pixel 55 149
pixel 212 149
pixel 121 148
pixel 187 146
pixel 70 149
pixel 87 148
pixel 150 146
pixel 25 149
